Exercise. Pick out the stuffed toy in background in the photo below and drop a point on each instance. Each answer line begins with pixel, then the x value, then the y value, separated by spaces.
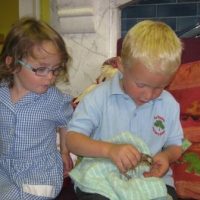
pixel 108 70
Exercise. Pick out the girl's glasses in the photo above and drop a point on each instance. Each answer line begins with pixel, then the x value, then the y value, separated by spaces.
pixel 41 71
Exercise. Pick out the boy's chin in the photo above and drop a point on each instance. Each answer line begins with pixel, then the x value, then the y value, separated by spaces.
pixel 139 103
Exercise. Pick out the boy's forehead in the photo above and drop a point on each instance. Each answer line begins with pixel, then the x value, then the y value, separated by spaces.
pixel 138 72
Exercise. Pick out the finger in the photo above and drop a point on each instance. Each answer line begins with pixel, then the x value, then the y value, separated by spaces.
pixel 150 174
pixel 121 167
pixel 136 153
pixel 71 164
pixel 132 161
pixel 134 156
pixel 155 171
pixel 65 172
pixel 127 164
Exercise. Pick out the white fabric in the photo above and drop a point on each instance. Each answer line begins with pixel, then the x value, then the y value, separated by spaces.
pixel 39 190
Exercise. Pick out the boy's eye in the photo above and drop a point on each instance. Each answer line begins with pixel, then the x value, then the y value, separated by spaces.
pixel 140 85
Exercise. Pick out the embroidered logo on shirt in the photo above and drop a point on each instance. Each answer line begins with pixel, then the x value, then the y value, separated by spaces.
pixel 159 125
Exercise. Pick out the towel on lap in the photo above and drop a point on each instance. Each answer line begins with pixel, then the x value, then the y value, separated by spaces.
pixel 99 175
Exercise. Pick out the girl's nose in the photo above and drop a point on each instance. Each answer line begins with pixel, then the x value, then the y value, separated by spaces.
pixel 50 75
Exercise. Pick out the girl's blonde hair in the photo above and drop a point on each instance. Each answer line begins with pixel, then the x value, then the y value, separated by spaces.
pixel 19 43
pixel 154 44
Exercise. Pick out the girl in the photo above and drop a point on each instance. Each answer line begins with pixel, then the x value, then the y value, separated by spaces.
pixel 33 58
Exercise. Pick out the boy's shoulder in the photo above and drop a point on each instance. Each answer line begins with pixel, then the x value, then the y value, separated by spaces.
pixel 168 98
pixel 102 89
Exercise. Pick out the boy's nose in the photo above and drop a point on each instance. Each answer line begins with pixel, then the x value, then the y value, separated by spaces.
pixel 148 94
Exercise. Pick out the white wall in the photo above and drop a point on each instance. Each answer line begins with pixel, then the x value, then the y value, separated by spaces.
pixel 89 49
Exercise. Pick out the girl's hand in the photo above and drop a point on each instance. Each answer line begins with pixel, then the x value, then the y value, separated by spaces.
pixel 67 163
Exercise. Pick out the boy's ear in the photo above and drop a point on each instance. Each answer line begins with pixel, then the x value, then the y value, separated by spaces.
pixel 120 65
pixel 8 60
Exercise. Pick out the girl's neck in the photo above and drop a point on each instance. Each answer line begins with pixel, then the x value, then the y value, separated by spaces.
pixel 16 94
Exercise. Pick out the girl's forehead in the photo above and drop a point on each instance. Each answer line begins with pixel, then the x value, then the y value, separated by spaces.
pixel 45 51
pixel 45 48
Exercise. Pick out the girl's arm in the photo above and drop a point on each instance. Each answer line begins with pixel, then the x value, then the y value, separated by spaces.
pixel 65 154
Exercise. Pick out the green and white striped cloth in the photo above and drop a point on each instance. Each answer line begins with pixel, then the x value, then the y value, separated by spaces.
pixel 99 175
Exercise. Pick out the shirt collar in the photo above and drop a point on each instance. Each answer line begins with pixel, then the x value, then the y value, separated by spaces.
pixel 115 84
pixel 31 96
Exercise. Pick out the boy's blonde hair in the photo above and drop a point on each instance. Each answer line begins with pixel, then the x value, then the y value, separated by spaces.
pixel 154 44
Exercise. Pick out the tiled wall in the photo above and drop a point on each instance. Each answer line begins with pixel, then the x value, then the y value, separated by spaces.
pixel 179 14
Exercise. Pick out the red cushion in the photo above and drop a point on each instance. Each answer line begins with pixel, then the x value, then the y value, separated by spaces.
pixel 186 173
pixel 186 89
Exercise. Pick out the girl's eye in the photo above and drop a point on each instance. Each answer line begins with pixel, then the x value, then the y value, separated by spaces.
pixel 41 69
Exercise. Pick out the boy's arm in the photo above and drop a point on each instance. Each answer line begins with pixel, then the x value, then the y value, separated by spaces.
pixel 65 154
pixel 173 153
pixel 125 156
pixel 83 145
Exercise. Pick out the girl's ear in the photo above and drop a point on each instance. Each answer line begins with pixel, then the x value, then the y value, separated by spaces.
pixel 8 60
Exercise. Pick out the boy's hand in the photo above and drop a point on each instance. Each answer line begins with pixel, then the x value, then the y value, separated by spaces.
pixel 67 163
pixel 125 156
pixel 159 167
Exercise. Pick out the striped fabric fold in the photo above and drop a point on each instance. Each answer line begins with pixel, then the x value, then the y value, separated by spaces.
pixel 99 175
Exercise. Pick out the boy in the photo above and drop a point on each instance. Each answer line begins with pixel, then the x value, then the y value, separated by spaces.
pixel 135 101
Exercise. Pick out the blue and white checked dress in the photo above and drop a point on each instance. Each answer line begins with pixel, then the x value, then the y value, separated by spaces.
pixel 30 164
